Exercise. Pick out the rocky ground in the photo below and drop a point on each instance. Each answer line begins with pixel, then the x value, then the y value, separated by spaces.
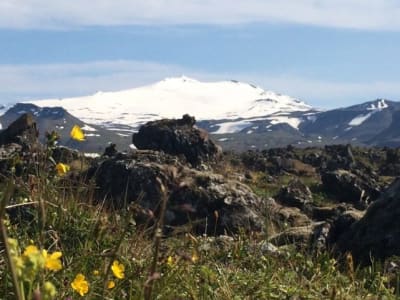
pixel 338 198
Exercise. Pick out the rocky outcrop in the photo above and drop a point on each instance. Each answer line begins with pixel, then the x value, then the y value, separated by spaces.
pixel 23 131
pixel 295 194
pixel 350 188
pixel 281 217
pixel 203 200
pixel 177 137
pixel 376 236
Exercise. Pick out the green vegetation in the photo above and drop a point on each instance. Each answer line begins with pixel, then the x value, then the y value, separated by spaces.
pixel 91 239
pixel 56 243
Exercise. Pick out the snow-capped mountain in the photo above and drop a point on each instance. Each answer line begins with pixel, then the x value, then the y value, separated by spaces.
pixel 361 123
pixel 230 101
pixel 240 116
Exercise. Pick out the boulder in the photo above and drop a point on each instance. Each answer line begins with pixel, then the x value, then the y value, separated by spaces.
pixel 17 144
pixel 207 202
pixel 177 137
pixel 342 223
pixel 350 188
pixel 376 236
pixel 281 217
pixel 340 157
pixel 23 131
pixel 295 194
pixel 301 236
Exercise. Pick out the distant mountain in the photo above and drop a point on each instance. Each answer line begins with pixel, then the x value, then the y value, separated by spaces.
pixel 238 115
pixel 363 123
pixel 234 104
pixel 58 119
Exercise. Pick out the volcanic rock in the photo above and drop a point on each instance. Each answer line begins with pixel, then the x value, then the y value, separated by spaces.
pixel 376 236
pixel 203 200
pixel 177 137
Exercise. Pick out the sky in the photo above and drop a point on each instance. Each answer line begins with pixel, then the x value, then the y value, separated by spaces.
pixel 328 53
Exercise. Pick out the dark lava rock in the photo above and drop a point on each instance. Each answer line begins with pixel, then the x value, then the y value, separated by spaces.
pixel 23 131
pixel 340 157
pixel 281 217
pixel 65 154
pixel 342 224
pixel 295 194
pixel 205 201
pixel 376 236
pixel 177 137
pixel 350 188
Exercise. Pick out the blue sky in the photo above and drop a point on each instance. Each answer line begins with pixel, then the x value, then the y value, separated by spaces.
pixel 327 53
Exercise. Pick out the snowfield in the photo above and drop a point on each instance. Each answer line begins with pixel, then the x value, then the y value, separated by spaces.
pixel 173 97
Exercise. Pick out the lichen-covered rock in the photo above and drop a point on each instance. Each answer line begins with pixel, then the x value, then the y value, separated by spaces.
pixel 350 188
pixel 203 200
pixel 376 236
pixel 295 194
pixel 177 137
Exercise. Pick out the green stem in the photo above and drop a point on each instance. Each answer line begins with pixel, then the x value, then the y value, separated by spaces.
pixel 4 237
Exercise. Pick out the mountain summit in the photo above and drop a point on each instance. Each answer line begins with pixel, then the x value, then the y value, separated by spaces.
pixel 173 97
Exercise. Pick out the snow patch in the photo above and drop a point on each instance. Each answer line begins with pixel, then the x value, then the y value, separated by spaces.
pixel 373 108
pixel 294 122
pixel 357 121
pixel 91 155
pixel 231 127
pixel 88 128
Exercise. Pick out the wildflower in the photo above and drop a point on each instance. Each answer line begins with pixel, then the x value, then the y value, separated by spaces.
pixel 30 250
pixel 62 169
pixel 118 269
pixel 80 285
pixel 77 134
pixel 170 261
pixel 111 284
pixel 195 257
pixel 52 261
pixel 96 272
pixel 49 290
pixel 32 261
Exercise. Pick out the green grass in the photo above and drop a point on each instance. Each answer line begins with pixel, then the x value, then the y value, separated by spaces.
pixel 58 215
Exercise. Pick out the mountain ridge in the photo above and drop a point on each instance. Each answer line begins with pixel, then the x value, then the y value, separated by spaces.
pixel 240 116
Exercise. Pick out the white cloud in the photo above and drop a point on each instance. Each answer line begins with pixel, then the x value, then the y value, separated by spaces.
pixel 60 80
pixel 23 82
pixel 360 14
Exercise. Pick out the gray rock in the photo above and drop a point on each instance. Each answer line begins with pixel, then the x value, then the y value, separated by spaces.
pixel 350 188
pixel 377 234
pixel 200 199
pixel 295 194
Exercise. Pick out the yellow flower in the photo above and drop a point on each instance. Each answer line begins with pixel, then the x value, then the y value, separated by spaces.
pixel 195 257
pixel 96 272
pixel 111 284
pixel 62 169
pixel 80 285
pixel 49 290
pixel 52 261
pixel 77 133
pixel 170 261
pixel 31 250
pixel 118 269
